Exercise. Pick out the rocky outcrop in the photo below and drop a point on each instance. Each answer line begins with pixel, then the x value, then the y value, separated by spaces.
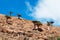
pixel 13 28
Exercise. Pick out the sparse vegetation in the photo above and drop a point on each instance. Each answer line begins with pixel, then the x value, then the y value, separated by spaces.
pixel 18 16
pixel 54 38
pixel 7 17
pixel 10 13
pixel 57 38
pixel 26 38
pixel 49 23
pixel 37 23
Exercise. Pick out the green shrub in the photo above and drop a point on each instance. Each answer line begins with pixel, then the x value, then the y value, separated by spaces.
pixel 58 38
pixel 8 17
pixel 54 38
pixel 49 23
pixel 37 22
pixel 19 15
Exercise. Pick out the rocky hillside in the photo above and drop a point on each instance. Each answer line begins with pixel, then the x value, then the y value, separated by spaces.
pixel 12 28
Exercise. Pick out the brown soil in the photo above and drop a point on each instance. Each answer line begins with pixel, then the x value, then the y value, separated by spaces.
pixel 21 29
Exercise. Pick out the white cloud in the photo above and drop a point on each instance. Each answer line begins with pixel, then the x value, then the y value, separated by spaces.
pixel 28 6
pixel 47 8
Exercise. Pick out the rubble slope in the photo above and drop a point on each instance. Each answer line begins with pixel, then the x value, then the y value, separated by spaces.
pixel 12 28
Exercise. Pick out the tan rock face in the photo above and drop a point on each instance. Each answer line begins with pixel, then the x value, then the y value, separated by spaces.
pixel 20 26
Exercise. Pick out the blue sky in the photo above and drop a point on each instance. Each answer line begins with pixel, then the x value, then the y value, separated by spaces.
pixel 43 10
pixel 17 6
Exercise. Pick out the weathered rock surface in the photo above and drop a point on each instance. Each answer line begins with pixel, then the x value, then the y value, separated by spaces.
pixel 20 29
